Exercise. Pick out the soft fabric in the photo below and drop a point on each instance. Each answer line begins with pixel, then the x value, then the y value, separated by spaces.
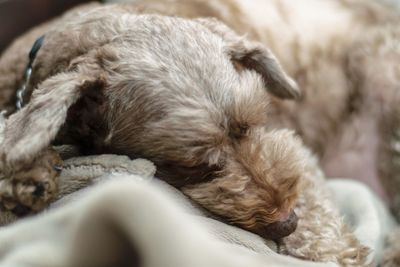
pixel 123 222
pixel 129 215
pixel 365 212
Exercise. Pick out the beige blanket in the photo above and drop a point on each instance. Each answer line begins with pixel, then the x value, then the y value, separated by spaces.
pixel 128 217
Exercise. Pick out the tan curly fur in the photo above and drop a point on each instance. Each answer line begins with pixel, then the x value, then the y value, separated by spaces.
pixel 108 92
pixel 391 254
pixel 247 192
pixel 209 142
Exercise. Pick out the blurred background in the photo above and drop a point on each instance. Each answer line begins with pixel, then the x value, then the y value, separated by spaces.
pixel 17 16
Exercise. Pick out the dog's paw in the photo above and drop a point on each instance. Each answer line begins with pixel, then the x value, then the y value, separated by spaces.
pixel 31 188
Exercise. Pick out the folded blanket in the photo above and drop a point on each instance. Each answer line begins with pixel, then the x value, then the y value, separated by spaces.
pixel 124 222
pixel 127 216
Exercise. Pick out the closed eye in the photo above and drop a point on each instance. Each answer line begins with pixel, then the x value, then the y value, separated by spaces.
pixel 239 131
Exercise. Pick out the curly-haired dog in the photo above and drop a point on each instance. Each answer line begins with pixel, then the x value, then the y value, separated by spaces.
pixel 189 95
pixel 348 113
pixel 165 89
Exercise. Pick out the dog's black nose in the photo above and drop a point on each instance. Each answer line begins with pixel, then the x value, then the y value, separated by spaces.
pixel 280 229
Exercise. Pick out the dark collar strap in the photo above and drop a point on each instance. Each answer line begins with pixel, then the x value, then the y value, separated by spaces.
pixel 34 50
pixel 28 71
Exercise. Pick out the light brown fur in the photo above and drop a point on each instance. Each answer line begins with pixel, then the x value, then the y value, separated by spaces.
pixel 224 141
pixel 108 93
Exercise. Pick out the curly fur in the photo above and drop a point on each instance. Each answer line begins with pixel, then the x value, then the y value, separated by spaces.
pixel 108 93
pixel 391 253
pixel 201 113
pixel 321 234
pixel 247 187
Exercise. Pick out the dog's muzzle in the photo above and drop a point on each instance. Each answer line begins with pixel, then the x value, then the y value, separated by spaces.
pixel 279 229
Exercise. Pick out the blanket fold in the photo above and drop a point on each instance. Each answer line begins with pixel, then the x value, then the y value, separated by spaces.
pixel 126 218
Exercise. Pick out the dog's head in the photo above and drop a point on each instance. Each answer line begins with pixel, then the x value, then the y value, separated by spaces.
pixel 190 95
pixel 211 139
pixel 257 184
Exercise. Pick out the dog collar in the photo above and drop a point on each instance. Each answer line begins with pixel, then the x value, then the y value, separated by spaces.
pixel 28 71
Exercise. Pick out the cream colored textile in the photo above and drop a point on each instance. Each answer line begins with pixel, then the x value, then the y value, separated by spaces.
pixel 126 219
pixel 128 214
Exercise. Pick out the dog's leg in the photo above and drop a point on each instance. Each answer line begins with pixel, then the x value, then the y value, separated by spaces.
pixel 29 180
pixel 33 186
pixel 391 254
pixel 389 158
pixel 321 233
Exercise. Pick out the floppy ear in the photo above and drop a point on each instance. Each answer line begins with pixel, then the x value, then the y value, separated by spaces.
pixel 257 57
pixel 35 126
